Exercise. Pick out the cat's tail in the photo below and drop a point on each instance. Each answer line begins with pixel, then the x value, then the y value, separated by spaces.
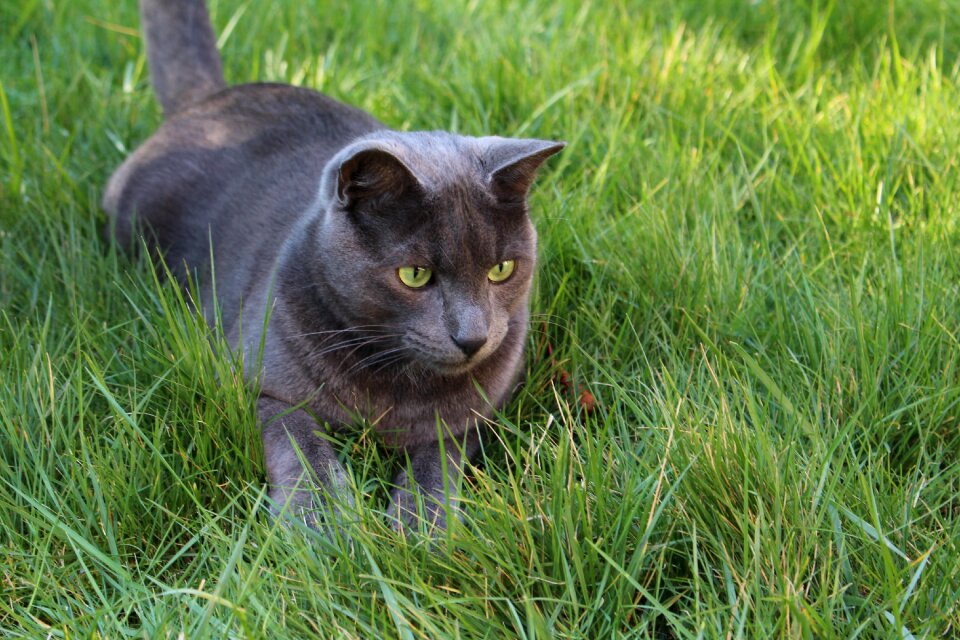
pixel 182 51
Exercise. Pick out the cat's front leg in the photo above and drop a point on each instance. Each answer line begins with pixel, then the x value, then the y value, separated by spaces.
pixel 305 476
pixel 425 495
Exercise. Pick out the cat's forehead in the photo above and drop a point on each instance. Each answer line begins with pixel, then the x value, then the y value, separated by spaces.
pixel 464 218
pixel 444 164
pixel 456 222
pixel 462 227
pixel 462 213
pixel 441 160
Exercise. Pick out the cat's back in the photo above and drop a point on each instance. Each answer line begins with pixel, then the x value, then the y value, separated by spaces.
pixel 245 142
pixel 277 111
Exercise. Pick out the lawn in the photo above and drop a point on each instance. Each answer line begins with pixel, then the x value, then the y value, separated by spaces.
pixel 750 261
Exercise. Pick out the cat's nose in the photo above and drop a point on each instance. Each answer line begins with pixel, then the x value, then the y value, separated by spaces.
pixel 469 344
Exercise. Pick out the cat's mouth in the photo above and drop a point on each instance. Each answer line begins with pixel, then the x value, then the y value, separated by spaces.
pixel 447 362
pixel 454 369
pixel 449 366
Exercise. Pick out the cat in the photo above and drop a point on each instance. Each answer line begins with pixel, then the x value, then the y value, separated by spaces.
pixel 394 267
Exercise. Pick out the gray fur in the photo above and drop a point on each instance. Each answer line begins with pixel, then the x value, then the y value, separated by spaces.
pixel 311 206
pixel 182 52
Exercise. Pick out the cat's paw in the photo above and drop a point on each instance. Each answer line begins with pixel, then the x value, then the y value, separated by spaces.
pixel 415 513
pixel 328 515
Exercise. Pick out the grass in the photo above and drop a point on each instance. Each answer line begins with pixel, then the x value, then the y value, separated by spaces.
pixel 750 257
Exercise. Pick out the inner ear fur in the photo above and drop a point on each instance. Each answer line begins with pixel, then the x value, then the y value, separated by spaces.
pixel 371 174
pixel 515 164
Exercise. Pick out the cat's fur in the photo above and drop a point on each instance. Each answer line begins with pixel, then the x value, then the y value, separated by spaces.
pixel 309 207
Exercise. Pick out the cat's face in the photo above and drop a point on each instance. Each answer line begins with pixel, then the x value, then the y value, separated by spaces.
pixel 434 263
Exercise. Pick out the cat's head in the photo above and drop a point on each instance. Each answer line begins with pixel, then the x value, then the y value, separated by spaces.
pixel 426 244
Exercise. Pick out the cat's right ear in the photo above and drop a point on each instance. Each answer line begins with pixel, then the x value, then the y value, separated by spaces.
pixel 514 162
pixel 370 175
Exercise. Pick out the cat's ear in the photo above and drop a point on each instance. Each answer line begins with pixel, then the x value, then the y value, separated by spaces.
pixel 513 164
pixel 371 174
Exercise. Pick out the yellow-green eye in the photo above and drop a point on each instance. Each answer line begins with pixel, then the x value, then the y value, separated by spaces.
pixel 414 277
pixel 501 271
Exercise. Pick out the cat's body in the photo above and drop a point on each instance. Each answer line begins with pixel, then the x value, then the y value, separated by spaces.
pixel 319 216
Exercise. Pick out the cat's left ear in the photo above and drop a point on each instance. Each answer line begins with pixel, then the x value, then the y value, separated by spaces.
pixel 371 173
pixel 513 164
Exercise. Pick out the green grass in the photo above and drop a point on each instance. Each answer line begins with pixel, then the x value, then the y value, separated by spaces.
pixel 750 256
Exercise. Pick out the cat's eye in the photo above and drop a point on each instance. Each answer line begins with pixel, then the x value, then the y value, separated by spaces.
pixel 501 271
pixel 414 277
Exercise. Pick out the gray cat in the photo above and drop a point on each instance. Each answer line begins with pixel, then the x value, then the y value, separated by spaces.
pixel 394 267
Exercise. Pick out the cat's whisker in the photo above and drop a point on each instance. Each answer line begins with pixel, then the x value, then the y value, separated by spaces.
pixel 360 346
pixel 341 344
pixel 386 362
pixel 353 345
pixel 404 369
pixel 324 344
pixel 357 343
pixel 374 358
pixel 360 328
